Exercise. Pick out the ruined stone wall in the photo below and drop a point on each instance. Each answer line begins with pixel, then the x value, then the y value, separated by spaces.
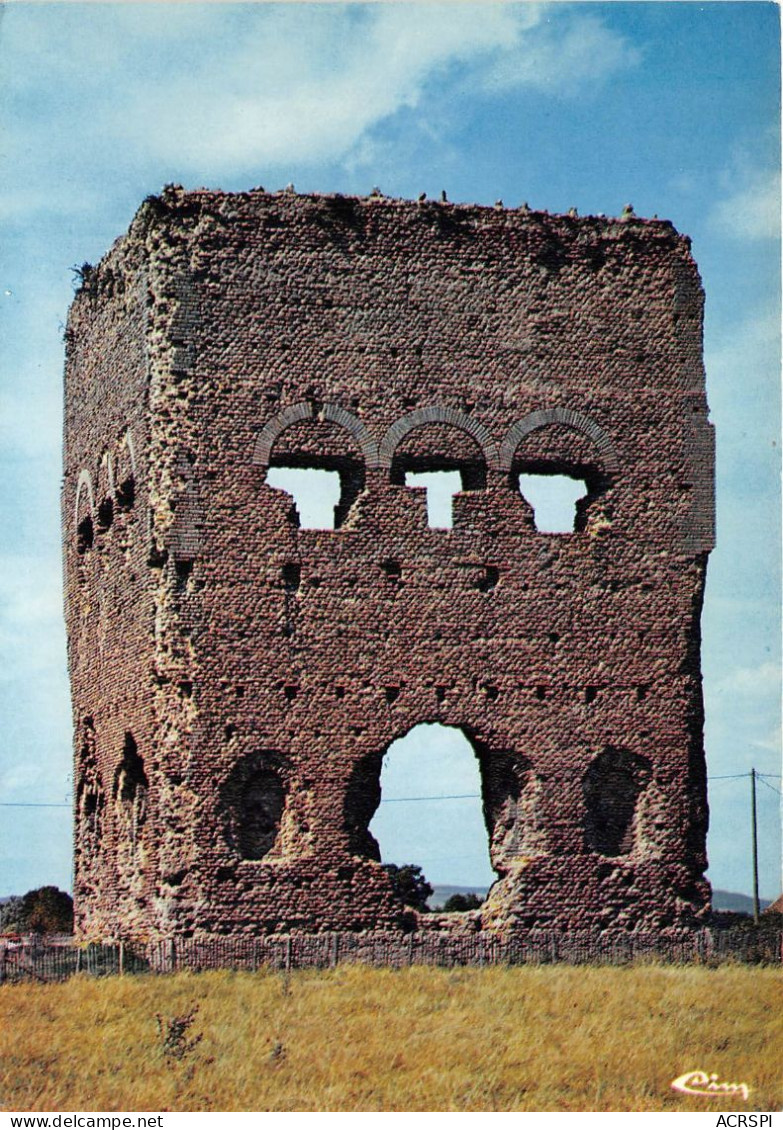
pixel 263 669
pixel 108 589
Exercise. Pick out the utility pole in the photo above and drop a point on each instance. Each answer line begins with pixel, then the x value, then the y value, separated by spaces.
pixel 755 847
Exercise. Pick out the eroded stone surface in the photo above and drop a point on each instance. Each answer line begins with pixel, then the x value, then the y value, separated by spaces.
pixel 236 678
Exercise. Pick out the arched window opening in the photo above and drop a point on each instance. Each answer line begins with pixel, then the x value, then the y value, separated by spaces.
pixel 126 494
pixel 316 494
pixel 441 486
pixel 560 466
pixel 254 799
pixel 554 499
pixel 430 811
pixel 443 459
pixel 321 465
pixel 130 789
pixel 612 787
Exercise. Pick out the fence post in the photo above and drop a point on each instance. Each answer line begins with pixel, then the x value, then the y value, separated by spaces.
pixel 122 958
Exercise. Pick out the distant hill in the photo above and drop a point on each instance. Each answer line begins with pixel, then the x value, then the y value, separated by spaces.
pixel 732 900
pixel 721 900
pixel 441 892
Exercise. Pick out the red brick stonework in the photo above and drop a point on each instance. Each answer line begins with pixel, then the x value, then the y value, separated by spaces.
pixel 237 678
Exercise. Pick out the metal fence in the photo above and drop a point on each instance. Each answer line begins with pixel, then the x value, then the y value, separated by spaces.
pixel 39 960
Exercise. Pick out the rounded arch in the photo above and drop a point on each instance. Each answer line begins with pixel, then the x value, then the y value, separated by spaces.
pixel 568 417
pixel 431 812
pixel 435 414
pixel 305 410
pixel 125 472
pixel 253 799
pixel 126 444
pixel 84 487
pixel 107 471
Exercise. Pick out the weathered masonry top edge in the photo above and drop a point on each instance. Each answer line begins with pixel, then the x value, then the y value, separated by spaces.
pixel 177 209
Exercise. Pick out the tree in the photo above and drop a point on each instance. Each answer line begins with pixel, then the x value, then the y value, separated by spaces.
pixel 46 910
pixel 409 884
pixel 9 915
pixel 458 902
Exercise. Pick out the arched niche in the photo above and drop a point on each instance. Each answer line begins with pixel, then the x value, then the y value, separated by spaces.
pixel 125 472
pixel 105 509
pixel 130 791
pixel 90 798
pixel 612 787
pixel 253 798
pixel 84 513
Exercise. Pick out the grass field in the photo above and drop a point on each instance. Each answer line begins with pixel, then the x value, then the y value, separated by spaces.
pixel 420 1039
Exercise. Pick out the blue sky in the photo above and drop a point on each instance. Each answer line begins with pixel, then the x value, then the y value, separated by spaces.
pixel 673 107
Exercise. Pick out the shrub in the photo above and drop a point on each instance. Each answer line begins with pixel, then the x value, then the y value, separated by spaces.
pixel 470 901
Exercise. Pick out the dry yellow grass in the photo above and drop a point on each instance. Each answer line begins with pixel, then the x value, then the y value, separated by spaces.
pixel 420 1039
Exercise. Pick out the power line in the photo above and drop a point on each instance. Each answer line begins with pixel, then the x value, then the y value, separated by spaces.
pixel 454 796
pixel 27 804
pixel 412 799
pixel 768 785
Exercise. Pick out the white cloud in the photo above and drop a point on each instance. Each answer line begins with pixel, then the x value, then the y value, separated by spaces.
pixel 307 89
pixel 771 742
pixel 751 343
pixel 562 57
pixel 754 682
pixel 751 207
pixel 215 93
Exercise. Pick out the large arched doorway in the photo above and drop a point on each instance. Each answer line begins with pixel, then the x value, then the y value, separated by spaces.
pixel 431 814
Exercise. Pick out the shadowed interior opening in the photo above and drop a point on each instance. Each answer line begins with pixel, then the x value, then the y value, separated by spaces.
pixel 611 788
pixel 130 788
pixel 254 797
pixel 84 535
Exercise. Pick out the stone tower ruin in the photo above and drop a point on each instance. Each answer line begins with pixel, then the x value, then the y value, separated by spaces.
pixel 237 678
